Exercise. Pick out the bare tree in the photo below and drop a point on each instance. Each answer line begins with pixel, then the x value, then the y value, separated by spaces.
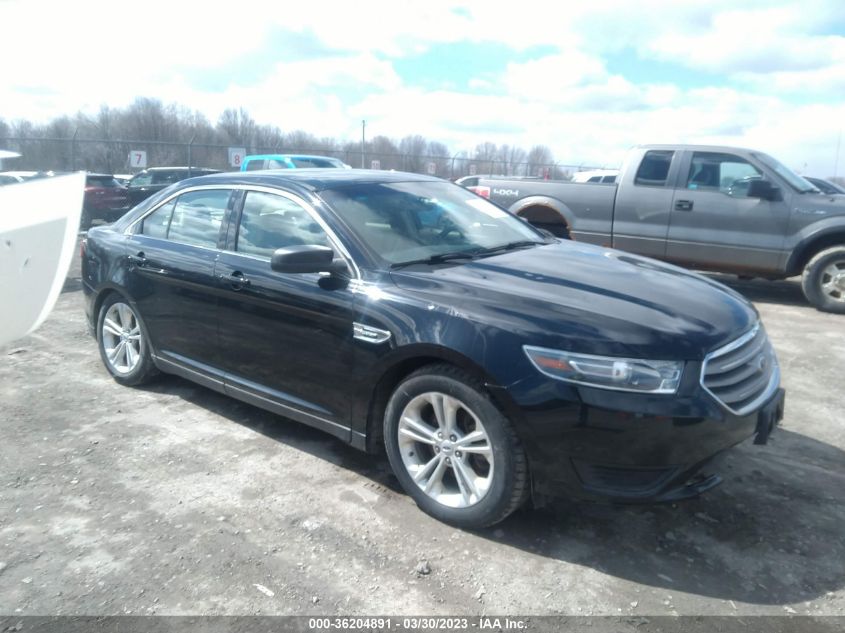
pixel 485 157
pixel 413 147
pixel 171 133
pixel 238 127
pixel 539 157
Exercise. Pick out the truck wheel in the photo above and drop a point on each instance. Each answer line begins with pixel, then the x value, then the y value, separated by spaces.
pixel 452 450
pixel 824 280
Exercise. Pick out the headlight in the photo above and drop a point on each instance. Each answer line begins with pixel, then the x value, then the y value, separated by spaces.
pixel 607 372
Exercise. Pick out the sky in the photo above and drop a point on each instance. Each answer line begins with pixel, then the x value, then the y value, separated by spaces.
pixel 588 79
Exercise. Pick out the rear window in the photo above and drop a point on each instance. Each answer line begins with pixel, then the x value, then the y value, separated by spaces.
pixel 654 169
pixel 101 181
pixel 304 163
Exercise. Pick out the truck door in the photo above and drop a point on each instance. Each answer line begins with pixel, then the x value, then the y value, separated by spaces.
pixel 715 225
pixel 643 203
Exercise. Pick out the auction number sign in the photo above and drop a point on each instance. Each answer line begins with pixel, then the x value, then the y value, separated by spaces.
pixel 138 158
pixel 375 164
pixel 236 156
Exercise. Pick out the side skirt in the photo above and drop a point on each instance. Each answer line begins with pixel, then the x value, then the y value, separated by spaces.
pixel 218 381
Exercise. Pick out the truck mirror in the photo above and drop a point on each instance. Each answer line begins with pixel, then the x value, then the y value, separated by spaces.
pixel 764 190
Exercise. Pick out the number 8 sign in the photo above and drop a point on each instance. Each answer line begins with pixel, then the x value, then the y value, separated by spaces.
pixel 138 158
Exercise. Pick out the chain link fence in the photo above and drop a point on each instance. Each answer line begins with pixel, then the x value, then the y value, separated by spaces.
pixel 114 157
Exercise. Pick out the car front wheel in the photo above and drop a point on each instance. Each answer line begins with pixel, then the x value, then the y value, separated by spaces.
pixel 453 451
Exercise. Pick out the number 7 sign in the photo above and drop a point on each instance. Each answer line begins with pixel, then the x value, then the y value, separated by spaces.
pixel 138 158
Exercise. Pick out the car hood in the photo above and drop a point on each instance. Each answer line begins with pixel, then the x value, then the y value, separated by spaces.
pixel 590 299
pixel 821 203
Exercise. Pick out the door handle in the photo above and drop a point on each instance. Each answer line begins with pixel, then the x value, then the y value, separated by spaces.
pixel 683 205
pixel 236 280
pixel 139 259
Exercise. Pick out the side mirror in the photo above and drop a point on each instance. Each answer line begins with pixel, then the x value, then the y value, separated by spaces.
pixel 763 189
pixel 309 258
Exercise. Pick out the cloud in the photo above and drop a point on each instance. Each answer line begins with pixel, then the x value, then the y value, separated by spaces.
pixel 768 75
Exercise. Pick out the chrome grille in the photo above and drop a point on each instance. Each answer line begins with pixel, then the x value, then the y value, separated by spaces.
pixel 743 374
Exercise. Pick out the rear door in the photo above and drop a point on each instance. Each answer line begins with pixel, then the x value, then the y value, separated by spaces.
pixel 284 338
pixel 172 254
pixel 715 225
pixel 643 204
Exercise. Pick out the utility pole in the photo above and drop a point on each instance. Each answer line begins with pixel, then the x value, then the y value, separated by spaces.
pixel 363 140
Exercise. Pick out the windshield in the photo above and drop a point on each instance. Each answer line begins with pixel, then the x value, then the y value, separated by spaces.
pixel 407 221
pixel 794 180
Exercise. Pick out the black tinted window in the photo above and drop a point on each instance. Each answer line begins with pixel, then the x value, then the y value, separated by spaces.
pixel 269 222
pixel 254 165
pixel 169 176
pixel 101 181
pixel 198 217
pixel 654 169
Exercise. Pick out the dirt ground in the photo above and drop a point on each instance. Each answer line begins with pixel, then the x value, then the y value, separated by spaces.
pixel 173 499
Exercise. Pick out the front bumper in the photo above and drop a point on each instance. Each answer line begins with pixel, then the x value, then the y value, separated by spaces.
pixel 594 444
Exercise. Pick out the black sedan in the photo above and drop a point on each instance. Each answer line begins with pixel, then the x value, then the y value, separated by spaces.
pixel 491 361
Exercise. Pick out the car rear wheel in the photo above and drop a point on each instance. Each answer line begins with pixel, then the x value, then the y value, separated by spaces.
pixel 123 343
pixel 824 280
pixel 453 451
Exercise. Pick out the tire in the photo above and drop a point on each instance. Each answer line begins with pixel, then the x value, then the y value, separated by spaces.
pixel 119 325
pixel 469 483
pixel 823 282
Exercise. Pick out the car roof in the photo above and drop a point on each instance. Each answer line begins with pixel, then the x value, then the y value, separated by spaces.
pixel 266 156
pixel 181 167
pixel 311 179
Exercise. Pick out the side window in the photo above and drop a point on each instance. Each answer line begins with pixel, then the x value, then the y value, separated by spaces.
pixel 273 163
pixel 609 179
pixel 712 171
pixel 168 177
pixel 141 180
pixel 255 164
pixel 157 222
pixel 198 216
pixel 269 222
pixel 594 179
pixel 654 169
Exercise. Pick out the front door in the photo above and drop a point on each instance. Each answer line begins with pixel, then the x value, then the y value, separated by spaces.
pixel 284 338
pixel 715 225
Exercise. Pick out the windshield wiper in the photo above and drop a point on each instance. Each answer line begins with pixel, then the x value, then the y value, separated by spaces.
pixel 510 246
pixel 439 258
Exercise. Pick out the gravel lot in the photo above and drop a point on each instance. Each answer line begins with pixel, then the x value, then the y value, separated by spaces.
pixel 173 499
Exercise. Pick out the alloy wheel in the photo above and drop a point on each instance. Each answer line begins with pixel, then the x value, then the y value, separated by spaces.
pixel 121 338
pixel 833 281
pixel 446 449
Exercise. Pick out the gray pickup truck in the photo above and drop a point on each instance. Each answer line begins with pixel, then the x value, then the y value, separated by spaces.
pixel 711 208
